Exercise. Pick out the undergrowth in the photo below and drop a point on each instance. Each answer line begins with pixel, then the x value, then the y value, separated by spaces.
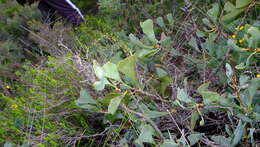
pixel 182 75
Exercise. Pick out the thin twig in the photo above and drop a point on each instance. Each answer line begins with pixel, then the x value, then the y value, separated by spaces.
pixel 147 119
pixel 182 133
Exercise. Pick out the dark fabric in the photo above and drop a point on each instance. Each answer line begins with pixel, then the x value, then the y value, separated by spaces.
pixel 48 13
pixel 23 2
pixel 64 7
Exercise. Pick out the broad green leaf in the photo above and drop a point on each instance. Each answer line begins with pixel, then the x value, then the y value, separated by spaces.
pixel 254 39
pixel 241 66
pixel 249 57
pixel 242 3
pixel 214 12
pixel 208 96
pixel 100 85
pixel 194 118
pixel 151 114
pixel 243 80
pixel 229 6
pixel 110 71
pixel 8 144
pixel 146 53
pixel 251 134
pixel 194 138
pixel 182 95
pixel 239 132
pixel 257 117
pixel 233 46
pixel 244 118
pixel 221 140
pixel 160 22
pixel 169 143
pixel 161 72
pixel 106 100
pixel 193 43
pixel 128 67
pixel 155 114
pixel 253 86
pixel 114 104
pixel 228 18
pixel 137 42
pixel 147 27
pixel 166 81
pixel 203 87
pixel 229 71
pixel 207 22
pixel 98 70
pixel 170 19
pixel 86 101
pixel 146 135
pixel 85 97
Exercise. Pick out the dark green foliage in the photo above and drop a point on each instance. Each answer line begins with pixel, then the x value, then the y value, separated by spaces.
pixel 137 73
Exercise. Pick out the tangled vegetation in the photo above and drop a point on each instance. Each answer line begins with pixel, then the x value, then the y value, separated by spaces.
pixel 177 73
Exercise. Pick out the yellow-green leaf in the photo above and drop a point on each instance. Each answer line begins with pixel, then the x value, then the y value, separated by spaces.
pixel 228 18
pixel 128 67
pixel 242 3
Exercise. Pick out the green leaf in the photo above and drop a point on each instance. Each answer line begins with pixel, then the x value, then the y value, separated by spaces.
pixel 233 46
pixel 194 118
pixel 254 39
pixel 106 100
pixel 182 95
pixel 214 12
pixel 239 132
pixel 242 3
pixel 244 118
pixel 100 85
pixel 128 67
pixel 207 22
pixel 208 96
pixel 229 7
pixel 147 27
pixel 137 42
pixel 193 43
pixel 85 97
pixel 194 138
pixel 86 101
pixel 203 87
pixel 241 66
pixel 221 140
pixel 161 72
pixel 114 104
pixel 110 71
pixel 251 134
pixel 160 22
pixel 98 70
pixel 155 114
pixel 146 53
pixel 169 143
pixel 170 19
pixel 8 144
pixel 253 86
pixel 228 18
pixel 146 135
pixel 165 82
pixel 229 71
pixel 243 80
